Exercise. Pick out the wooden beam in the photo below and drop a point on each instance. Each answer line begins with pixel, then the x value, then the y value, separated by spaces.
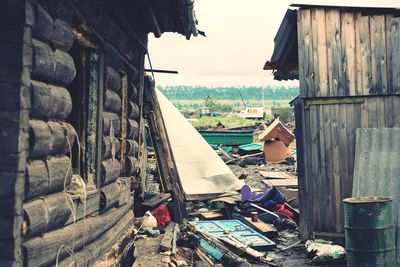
pixel 165 160
pixel 155 201
pixel 99 121
pixel 333 101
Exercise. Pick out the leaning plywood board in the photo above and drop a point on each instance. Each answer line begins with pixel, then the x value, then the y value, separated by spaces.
pixel 292 183
pixel 201 171
pixel 377 168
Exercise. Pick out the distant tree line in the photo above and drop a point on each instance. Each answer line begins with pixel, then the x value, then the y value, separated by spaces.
pixel 230 93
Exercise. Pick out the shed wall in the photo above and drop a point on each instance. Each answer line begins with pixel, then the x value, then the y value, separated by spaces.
pixel 325 133
pixel 344 52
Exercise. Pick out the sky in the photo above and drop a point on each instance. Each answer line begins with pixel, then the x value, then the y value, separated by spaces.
pixel 239 40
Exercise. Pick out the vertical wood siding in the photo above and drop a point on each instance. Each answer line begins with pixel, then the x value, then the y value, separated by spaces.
pixel 346 53
pixel 326 147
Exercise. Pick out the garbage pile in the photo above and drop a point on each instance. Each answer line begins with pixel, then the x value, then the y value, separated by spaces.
pixel 251 227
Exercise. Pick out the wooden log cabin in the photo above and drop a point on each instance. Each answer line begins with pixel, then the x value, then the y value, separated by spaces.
pixel 71 122
pixel 347 62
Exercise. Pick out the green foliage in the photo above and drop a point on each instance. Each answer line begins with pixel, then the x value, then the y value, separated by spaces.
pixel 228 122
pixel 285 114
pixel 214 106
pixel 231 93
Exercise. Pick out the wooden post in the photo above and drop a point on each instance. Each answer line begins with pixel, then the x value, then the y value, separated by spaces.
pixel 162 147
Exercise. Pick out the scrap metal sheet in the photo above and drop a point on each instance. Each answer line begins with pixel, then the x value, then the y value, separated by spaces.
pixel 377 168
pixel 201 171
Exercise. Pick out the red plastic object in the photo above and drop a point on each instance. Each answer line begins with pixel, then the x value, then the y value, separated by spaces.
pixel 281 209
pixel 162 215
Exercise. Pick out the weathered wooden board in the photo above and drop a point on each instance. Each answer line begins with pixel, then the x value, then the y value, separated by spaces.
pixel 267 229
pixel 378 54
pixel 274 175
pixel 348 52
pixel 305 41
pixel 394 54
pixel 282 182
pixel 166 242
pixel 41 251
pixel 50 102
pixel 54 66
pixel 155 201
pixel 334 53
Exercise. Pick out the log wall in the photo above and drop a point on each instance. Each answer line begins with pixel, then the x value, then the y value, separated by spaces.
pixel 40 136
pixel 345 52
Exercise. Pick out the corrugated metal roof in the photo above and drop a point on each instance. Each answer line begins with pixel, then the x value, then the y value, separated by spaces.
pixel 377 167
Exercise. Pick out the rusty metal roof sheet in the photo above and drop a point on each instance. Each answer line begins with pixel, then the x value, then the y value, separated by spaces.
pixel 284 60
pixel 377 168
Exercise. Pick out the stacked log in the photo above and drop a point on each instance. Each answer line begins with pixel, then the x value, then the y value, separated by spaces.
pixel 51 138
pixel 110 146
pixel 45 176
pixel 42 250
pixel 49 212
pixel 49 222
